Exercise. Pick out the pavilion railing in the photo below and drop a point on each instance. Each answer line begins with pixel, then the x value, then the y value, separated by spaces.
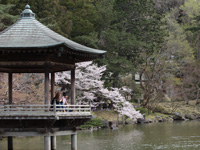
pixel 45 109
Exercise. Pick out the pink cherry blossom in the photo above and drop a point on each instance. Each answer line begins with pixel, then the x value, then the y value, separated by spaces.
pixel 90 89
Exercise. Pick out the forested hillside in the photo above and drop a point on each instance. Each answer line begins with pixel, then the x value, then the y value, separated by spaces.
pixel 157 40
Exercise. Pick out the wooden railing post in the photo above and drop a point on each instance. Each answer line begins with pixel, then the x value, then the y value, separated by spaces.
pixel 8 108
pixel 54 107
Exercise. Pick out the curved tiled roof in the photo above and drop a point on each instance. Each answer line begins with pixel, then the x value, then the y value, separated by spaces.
pixel 27 32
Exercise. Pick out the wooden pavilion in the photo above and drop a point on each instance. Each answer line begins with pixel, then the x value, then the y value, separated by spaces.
pixel 30 47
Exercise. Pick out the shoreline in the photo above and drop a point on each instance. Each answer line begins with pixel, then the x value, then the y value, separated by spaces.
pixel 111 119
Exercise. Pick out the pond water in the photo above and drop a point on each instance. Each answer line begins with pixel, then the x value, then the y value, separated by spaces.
pixel 156 136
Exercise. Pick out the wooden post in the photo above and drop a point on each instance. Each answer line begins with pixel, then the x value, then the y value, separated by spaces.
pixel 46 85
pixel 10 78
pixel 10 87
pixel 53 142
pixel 10 143
pixel 74 142
pixel 73 100
pixel 47 143
pixel 52 85
pixel 54 107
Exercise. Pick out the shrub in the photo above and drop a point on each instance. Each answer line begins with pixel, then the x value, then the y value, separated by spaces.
pixel 92 123
pixel 160 109
pixel 142 110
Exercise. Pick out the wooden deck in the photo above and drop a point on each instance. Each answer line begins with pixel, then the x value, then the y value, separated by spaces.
pixel 43 116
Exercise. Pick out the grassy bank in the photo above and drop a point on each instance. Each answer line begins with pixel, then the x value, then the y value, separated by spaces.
pixel 106 115
pixel 101 119
pixel 167 109
pixel 180 107
pixel 163 110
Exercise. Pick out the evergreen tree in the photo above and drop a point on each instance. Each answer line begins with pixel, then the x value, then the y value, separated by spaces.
pixel 5 18
pixel 134 32
pixel 83 16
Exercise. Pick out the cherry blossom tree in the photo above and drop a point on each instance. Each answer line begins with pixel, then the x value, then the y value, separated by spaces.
pixel 90 89
pixel 121 105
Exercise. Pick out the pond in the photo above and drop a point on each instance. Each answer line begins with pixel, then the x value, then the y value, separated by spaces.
pixel 156 136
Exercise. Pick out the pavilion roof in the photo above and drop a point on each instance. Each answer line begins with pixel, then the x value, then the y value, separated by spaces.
pixel 28 33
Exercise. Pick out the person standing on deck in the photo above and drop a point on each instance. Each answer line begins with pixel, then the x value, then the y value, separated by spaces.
pixel 64 98
pixel 57 99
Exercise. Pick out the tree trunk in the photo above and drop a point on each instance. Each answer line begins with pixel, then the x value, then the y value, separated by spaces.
pixel 145 102
pixel 197 100
pixel 184 96
pixel 198 46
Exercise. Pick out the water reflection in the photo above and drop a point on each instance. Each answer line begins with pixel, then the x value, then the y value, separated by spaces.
pixel 122 139
pixel 158 136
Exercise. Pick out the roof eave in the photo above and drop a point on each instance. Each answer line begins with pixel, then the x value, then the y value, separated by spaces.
pixel 97 52
pixel 34 47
